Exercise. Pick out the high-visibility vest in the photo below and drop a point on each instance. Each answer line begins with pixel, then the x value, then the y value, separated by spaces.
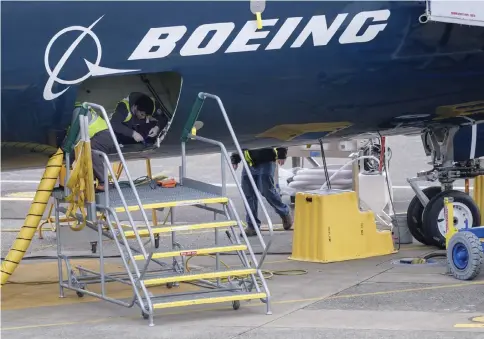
pixel 96 123
pixel 125 101
pixel 249 160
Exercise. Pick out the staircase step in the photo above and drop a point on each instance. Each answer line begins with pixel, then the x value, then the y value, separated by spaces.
pixel 178 203
pixel 199 251
pixel 156 197
pixel 198 276
pixel 166 229
pixel 207 298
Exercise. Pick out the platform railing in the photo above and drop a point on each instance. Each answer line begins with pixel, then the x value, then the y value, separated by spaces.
pixel 187 134
pixel 130 181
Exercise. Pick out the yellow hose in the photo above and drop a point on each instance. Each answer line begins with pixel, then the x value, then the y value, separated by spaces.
pixel 37 209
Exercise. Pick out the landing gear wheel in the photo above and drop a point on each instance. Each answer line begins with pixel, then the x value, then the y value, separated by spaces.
pixel 414 215
pixel 466 214
pixel 465 256
pixel 235 304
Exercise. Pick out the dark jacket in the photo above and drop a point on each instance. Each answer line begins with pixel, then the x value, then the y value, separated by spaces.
pixel 261 155
pixel 126 128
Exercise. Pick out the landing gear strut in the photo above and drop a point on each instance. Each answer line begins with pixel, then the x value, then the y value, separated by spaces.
pixel 425 213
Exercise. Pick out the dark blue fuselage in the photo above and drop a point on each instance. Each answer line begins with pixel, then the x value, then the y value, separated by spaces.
pixel 407 69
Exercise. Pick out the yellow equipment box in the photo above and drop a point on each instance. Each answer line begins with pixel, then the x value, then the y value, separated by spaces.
pixel 329 227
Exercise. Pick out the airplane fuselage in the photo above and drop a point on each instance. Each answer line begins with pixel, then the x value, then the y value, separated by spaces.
pixel 315 69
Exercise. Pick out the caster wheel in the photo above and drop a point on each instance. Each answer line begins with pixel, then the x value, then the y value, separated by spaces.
pixel 415 212
pixel 236 304
pixel 145 315
pixel 157 242
pixel 466 215
pixel 94 247
pixel 170 285
pixel 80 294
pixel 465 256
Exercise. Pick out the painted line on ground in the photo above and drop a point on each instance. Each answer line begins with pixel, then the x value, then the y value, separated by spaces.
pixel 13 197
pixel 260 304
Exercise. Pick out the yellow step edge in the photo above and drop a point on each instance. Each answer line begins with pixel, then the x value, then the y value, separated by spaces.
pixel 221 200
pixel 156 230
pixel 194 252
pixel 191 277
pixel 210 300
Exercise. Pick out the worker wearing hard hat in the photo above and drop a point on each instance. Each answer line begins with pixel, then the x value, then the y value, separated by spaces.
pixel 134 119
pixel 134 112
pixel 262 165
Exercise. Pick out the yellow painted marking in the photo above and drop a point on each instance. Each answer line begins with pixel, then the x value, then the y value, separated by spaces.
pixel 290 131
pixel 191 277
pixel 221 200
pixel 478 319
pixel 209 300
pixel 21 194
pixel 469 325
pixel 194 252
pixel 156 230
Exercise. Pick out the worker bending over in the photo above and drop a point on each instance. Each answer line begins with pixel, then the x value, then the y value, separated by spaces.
pixel 262 165
pixel 133 119
pixel 134 112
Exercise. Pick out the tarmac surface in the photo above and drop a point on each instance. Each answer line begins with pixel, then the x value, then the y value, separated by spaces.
pixel 366 298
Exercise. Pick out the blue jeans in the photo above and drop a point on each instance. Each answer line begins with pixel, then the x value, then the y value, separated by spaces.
pixel 263 175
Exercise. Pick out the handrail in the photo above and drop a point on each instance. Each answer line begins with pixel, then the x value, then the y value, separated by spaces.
pixel 130 180
pixel 197 106
pixel 123 200
pixel 241 192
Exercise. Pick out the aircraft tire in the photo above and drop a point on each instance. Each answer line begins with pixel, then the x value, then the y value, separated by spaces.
pixel 465 210
pixel 415 212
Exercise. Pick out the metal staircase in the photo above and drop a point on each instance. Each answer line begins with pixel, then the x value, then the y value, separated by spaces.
pixel 140 246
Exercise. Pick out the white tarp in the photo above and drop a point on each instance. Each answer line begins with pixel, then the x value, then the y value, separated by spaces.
pixel 458 12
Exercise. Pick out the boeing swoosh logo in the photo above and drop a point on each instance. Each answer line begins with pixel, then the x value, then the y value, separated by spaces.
pixel 94 69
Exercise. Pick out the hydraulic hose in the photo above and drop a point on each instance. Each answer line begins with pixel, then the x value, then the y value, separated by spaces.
pixel 37 209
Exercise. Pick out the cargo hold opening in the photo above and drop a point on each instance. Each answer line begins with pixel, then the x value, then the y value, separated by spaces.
pixel 164 87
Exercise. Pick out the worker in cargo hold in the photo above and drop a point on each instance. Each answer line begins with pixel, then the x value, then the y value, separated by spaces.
pixel 137 118
pixel 132 121
pixel 262 165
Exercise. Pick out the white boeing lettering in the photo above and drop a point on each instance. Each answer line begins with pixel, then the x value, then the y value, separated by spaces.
pixel 349 36
pixel 222 32
pixel 160 42
pixel 247 33
pixel 284 33
pixel 318 28
pixel 164 45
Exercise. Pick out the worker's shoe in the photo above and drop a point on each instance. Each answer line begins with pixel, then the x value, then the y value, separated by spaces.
pixel 250 232
pixel 287 222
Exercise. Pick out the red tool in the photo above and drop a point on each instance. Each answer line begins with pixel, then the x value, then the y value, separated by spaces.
pixel 167 183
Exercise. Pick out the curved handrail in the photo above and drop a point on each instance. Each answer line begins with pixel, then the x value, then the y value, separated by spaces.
pixel 191 119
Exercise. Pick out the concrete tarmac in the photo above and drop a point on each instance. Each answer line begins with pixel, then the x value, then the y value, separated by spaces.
pixel 367 298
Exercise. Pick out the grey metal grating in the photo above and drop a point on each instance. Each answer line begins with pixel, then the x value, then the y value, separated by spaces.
pixel 152 194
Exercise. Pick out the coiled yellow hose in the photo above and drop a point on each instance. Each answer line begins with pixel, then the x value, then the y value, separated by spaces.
pixel 37 209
